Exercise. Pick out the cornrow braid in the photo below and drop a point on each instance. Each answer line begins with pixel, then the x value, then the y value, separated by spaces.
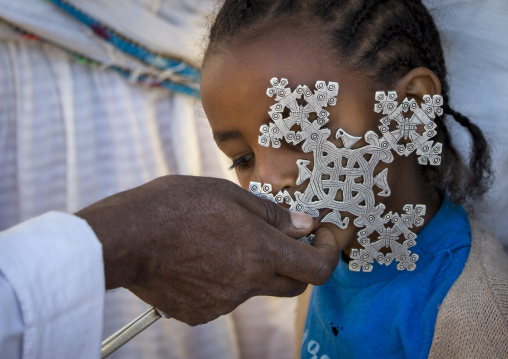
pixel 353 29
pixel 480 161
pixel 327 9
pixel 287 6
pixel 384 39
pixel 236 16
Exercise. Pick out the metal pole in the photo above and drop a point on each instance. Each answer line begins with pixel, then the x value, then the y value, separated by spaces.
pixel 132 329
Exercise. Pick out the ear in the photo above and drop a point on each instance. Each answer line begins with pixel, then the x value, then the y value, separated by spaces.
pixel 418 82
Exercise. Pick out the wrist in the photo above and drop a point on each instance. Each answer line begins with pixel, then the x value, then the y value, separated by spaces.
pixel 120 268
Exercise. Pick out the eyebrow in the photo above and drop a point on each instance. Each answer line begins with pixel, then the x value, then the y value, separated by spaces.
pixel 224 136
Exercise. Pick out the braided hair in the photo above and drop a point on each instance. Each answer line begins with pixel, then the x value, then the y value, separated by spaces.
pixel 385 39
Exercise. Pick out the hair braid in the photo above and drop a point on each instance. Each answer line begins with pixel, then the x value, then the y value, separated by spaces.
pixel 400 63
pixel 480 159
pixel 354 27
pixel 235 17
pixel 287 6
pixel 327 9
pixel 391 35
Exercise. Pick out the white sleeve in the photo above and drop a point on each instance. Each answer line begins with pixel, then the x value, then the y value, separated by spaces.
pixel 51 289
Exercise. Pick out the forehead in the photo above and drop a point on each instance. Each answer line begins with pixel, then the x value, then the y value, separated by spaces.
pixel 247 65
pixel 235 78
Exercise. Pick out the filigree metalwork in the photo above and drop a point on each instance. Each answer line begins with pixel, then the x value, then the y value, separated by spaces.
pixel 407 128
pixel 341 179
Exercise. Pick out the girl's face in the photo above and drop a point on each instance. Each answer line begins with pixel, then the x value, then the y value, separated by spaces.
pixel 233 90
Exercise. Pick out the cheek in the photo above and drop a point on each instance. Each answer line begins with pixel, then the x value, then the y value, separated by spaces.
pixel 244 178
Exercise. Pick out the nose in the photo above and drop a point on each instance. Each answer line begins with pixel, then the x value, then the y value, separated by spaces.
pixel 277 167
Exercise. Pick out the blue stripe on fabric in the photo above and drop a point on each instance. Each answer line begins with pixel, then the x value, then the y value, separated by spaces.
pixel 156 61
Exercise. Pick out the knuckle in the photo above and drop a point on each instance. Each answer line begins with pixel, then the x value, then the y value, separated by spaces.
pixel 194 322
pixel 200 317
pixel 299 288
pixel 322 273
pixel 294 289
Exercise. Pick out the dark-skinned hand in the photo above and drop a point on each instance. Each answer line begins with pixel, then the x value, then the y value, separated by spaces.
pixel 197 247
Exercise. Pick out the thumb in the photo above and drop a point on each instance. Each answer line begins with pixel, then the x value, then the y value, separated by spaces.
pixel 291 223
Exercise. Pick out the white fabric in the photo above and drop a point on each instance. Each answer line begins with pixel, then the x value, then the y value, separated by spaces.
pixel 71 135
pixel 474 39
pixel 11 326
pixel 184 21
pixel 44 19
pixel 149 28
pixel 173 32
pixel 53 266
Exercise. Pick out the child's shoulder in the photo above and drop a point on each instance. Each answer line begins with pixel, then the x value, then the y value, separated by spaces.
pixel 473 318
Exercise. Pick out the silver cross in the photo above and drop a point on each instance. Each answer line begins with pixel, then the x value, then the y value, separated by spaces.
pixel 343 177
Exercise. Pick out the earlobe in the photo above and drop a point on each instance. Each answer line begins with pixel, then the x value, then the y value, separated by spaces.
pixel 417 83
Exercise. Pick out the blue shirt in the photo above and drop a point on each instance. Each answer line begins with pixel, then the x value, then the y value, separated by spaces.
pixel 389 313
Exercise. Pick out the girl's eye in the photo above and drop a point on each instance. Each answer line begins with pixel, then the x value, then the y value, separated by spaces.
pixel 243 162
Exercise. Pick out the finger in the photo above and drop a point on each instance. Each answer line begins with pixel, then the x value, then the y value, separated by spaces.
pixel 281 286
pixel 310 264
pixel 291 223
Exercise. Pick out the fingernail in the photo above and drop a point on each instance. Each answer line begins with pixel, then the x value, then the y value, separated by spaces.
pixel 301 220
